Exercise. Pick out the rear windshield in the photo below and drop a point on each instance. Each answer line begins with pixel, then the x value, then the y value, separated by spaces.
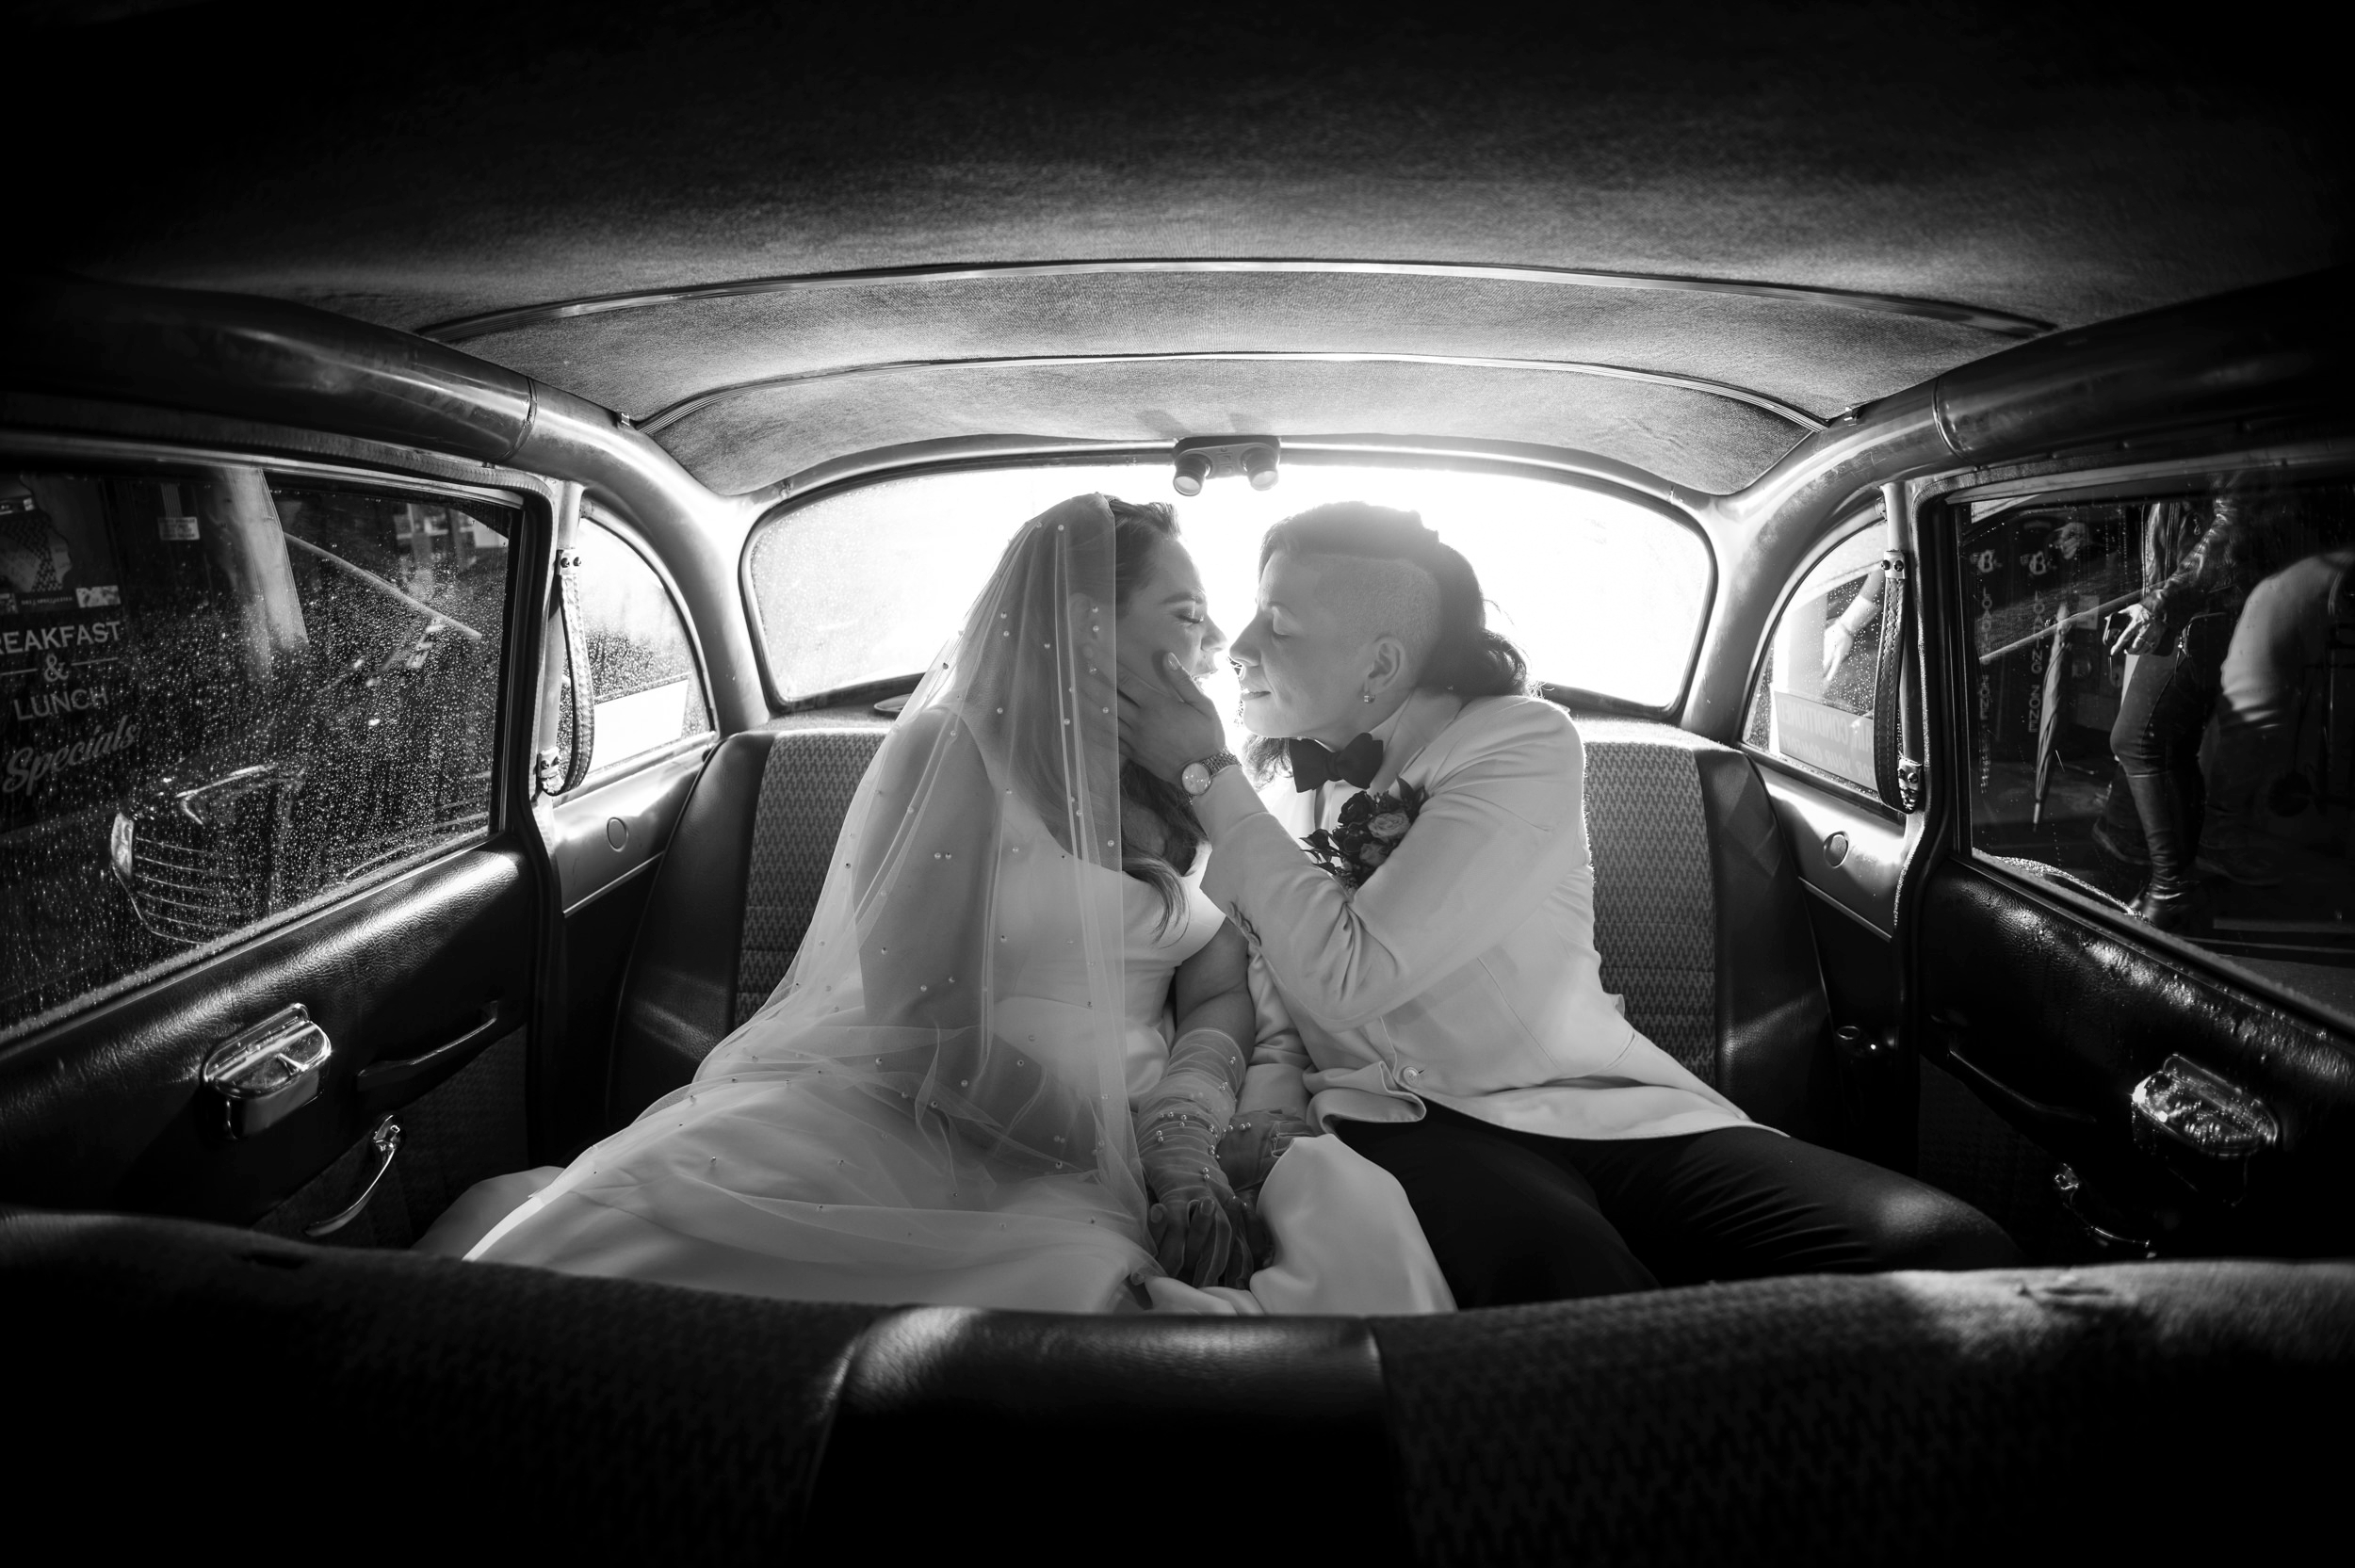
pixel 864 585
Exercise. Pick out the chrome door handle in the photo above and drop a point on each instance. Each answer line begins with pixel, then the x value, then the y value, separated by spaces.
pixel 385 1140
pixel 266 1072
pixel 2203 1128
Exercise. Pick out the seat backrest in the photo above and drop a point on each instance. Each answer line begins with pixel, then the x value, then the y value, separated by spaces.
pixel 733 895
pixel 524 1413
pixel 1700 917
pixel 1700 921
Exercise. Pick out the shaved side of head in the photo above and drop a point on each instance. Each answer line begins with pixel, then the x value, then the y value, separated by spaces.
pixel 1378 595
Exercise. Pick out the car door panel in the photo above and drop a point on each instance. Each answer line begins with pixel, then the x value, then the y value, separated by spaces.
pixel 1849 856
pixel 355 782
pixel 648 731
pixel 603 835
pixel 2052 1021
pixel 2036 989
pixel 1849 853
pixel 606 873
pixel 106 1111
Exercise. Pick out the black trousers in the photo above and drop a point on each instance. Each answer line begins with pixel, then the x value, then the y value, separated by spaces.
pixel 1518 1216
pixel 2162 714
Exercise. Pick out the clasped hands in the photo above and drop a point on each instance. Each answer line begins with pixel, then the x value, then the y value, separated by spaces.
pixel 1204 1218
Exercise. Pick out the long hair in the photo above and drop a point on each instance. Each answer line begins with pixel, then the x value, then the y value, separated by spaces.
pixel 1118 547
pixel 1466 658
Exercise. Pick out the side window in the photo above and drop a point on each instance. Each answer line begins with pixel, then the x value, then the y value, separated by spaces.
pixel 228 695
pixel 646 691
pixel 1813 704
pixel 2161 703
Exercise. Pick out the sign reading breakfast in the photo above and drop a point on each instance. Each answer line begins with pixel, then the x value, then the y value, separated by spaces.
pixel 67 726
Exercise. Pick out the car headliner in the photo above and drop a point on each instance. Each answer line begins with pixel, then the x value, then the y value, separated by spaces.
pixel 1675 237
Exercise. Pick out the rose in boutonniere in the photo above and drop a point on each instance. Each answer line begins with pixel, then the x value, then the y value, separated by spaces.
pixel 1368 832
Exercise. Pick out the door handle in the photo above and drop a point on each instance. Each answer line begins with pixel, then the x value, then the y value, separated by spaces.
pixel 386 1084
pixel 264 1075
pixel 2038 1111
pixel 2203 1128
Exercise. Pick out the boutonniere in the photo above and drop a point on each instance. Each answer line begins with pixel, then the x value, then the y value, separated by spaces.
pixel 1370 830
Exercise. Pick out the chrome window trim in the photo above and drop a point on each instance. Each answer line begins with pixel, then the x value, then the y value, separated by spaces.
pixel 1998 323
pixel 1562 469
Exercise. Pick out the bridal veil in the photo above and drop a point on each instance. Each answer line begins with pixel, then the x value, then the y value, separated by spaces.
pixel 932 1106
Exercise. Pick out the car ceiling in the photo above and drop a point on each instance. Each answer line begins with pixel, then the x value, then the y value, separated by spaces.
pixel 1675 236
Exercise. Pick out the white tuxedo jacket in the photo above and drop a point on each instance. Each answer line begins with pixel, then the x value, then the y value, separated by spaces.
pixel 1463 971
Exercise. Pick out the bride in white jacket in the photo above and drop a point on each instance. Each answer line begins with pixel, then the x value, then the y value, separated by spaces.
pixel 1004 1067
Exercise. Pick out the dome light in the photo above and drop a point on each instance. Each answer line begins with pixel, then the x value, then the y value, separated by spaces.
pixel 1202 458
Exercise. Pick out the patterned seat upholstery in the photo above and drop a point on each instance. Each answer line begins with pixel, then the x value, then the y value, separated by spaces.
pixel 1655 899
pixel 1700 921
pixel 1686 854
pixel 737 886
pixel 804 793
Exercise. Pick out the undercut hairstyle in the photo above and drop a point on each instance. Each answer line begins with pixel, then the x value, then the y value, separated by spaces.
pixel 1386 596
pixel 1400 579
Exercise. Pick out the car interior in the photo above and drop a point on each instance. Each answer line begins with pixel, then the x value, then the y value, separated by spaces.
pixel 470 515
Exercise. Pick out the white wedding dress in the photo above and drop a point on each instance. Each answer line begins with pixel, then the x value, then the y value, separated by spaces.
pixel 782 1186
pixel 932 1108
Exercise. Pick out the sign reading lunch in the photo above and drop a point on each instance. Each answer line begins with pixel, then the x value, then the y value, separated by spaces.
pixel 69 728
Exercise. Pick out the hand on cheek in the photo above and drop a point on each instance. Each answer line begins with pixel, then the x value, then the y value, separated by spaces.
pixel 1165 721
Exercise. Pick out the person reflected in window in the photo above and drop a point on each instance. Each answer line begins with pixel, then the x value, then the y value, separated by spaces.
pixel 1862 614
pixel 2201 556
pixel 2284 634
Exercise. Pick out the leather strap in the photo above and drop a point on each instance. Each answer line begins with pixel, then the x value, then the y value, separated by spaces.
pixel 559 772
pixel 1896 773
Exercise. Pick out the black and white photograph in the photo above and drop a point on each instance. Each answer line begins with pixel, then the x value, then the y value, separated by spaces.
pixel 1042 783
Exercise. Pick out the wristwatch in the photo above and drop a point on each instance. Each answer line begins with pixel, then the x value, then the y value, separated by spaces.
pixel 1196 775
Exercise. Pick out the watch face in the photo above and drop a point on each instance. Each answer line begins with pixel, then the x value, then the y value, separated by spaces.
pixel 1196 777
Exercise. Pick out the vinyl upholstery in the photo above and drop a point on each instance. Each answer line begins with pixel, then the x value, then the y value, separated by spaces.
pixel 1898 1418
pixel 476 1410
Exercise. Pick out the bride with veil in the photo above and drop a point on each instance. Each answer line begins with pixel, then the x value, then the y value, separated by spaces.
pixel 1005 1065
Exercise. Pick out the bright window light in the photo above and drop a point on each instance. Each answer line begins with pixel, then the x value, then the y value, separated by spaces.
pixel 865 584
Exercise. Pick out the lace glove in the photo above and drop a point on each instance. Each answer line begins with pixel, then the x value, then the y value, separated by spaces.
pixel 1199 1230
pixel 1253 1143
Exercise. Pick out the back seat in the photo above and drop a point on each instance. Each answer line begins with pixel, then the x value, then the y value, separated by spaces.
pixel 1700 916
pixel 174 1381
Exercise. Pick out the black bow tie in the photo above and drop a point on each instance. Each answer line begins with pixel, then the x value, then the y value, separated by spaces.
pixel 1313 766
